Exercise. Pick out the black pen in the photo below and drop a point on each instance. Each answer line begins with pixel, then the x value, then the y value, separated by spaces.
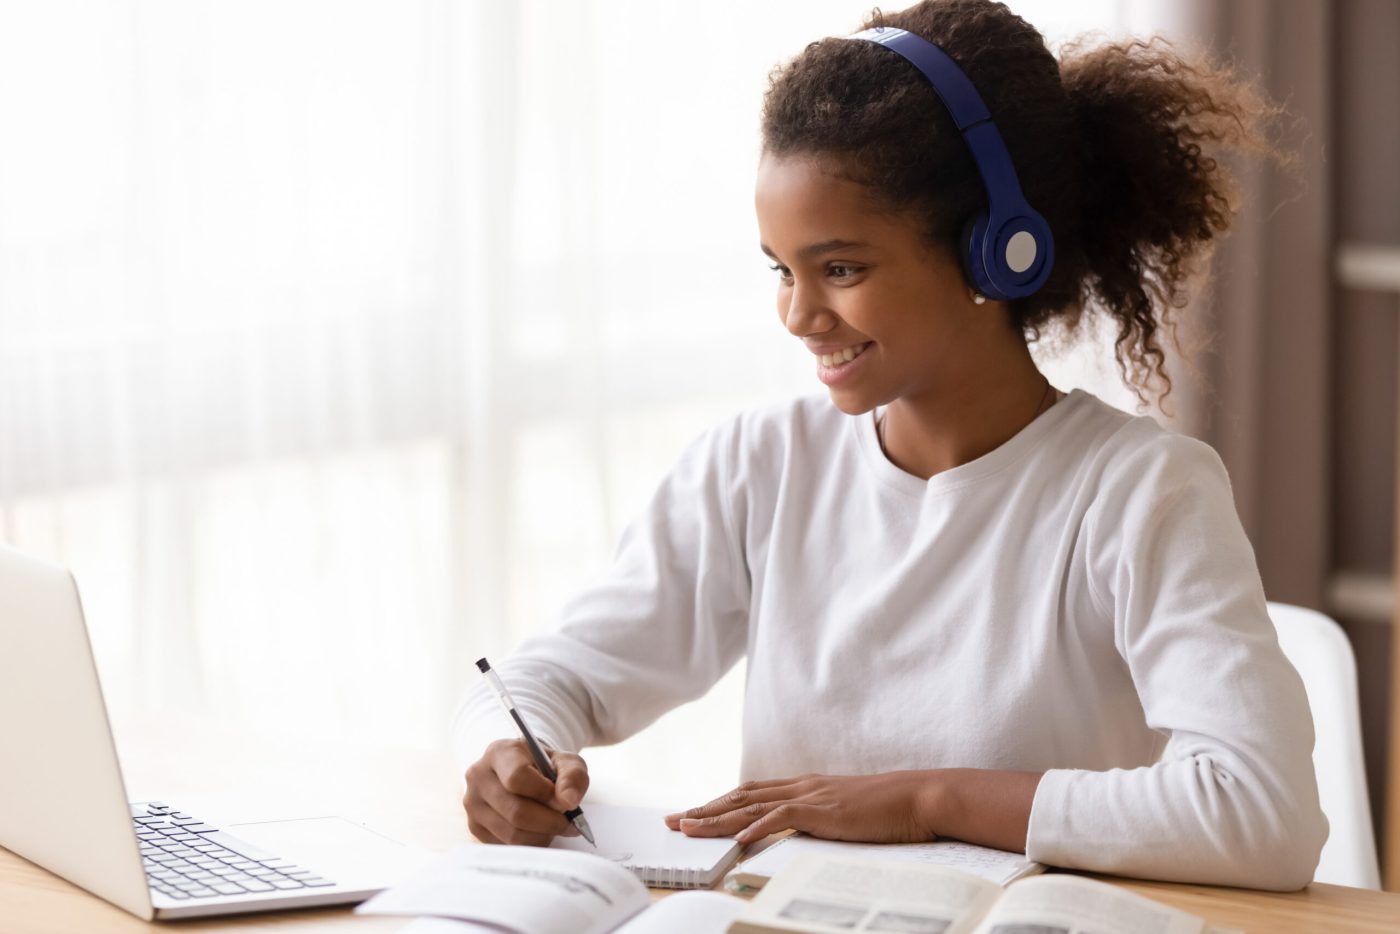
pixel 536 750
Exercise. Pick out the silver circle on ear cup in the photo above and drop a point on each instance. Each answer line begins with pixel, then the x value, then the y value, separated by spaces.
pixel 1021 251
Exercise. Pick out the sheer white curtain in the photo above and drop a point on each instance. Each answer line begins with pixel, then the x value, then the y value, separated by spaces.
pixel 339 338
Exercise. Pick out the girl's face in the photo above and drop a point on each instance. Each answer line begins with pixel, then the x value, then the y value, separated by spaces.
pixel 855 283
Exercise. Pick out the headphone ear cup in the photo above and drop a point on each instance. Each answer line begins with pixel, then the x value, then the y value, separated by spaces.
pixel 1011 261
pixel 1017 256
pixel 974 236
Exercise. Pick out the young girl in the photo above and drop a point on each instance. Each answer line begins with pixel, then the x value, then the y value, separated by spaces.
pixel 972 606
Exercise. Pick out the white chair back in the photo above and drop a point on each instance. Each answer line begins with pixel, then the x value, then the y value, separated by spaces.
pixel 1321 652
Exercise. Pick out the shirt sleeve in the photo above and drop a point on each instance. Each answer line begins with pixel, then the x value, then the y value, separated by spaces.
pixel 661 626
pixel 1234 799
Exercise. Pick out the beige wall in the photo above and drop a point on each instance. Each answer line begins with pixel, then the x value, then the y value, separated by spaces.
pixel 1365 173
pixel 1301 401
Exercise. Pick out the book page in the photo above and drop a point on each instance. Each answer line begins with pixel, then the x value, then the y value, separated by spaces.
pixel 524 889
pixel 1071 905
pixel 687 913
pixel 446 926
pixel 683 913
pixel 997 866
pixel 824 895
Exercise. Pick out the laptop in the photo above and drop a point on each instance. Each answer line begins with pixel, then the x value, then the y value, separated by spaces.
pixel 63 802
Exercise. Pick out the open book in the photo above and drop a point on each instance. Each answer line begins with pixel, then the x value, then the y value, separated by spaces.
pixel 531 890
pixel 849 895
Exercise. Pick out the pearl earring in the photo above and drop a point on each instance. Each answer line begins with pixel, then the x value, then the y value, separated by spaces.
pixel 978 298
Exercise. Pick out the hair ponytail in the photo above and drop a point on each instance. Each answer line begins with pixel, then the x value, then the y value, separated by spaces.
pixel 1156 197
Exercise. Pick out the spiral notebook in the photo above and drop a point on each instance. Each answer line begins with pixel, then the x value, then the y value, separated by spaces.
pixel 638 839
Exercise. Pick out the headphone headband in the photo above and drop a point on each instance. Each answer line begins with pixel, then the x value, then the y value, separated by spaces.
pixel 1009 249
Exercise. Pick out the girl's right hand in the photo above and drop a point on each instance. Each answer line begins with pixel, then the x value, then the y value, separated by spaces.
pixel 509 800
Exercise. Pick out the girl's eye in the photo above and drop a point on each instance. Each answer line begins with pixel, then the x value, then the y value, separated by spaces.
pixel 839 270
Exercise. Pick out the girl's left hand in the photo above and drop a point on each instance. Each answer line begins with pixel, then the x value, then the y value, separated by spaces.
pixel 892 807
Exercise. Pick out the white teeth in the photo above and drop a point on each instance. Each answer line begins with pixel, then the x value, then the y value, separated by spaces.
pixel 845 355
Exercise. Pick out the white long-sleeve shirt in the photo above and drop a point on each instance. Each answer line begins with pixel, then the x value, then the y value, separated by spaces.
pixel 1081 600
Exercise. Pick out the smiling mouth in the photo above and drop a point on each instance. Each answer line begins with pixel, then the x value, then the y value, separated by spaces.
pixel 843 356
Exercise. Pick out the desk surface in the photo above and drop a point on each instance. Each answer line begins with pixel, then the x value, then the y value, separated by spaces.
pixel 414 796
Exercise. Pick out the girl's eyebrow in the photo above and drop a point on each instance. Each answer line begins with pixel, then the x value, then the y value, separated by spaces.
pixel 812 250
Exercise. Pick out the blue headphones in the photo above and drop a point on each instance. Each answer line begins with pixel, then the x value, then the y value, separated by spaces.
pixel 1008 249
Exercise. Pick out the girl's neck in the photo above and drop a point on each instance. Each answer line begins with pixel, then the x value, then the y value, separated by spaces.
pixel 926 435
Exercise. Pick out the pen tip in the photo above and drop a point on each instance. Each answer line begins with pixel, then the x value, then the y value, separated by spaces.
pixel 483 665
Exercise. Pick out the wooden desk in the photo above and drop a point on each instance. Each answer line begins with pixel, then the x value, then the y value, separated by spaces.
pixel 414 795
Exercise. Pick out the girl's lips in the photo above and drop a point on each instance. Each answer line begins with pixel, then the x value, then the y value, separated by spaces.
pixel 845 371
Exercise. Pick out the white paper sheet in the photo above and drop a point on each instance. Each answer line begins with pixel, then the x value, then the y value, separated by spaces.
pixel 996 866
pixel 639 838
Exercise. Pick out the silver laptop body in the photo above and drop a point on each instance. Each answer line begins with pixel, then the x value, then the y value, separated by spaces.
pixel 63 803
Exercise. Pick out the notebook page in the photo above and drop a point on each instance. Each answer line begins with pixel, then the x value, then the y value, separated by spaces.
pixel 639 839
pixel 997 866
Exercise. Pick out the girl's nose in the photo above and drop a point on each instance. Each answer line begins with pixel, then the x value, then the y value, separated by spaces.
pixel 803 312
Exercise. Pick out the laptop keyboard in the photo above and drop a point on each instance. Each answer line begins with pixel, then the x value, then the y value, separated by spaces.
pixel 185 858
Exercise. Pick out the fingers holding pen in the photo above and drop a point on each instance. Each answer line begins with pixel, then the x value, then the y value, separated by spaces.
pixel 572 783
pixel 508 799
pixel 526 815
pixel 491 826
pixel 513 767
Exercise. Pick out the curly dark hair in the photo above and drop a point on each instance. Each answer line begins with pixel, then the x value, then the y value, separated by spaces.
pixel 1115 145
